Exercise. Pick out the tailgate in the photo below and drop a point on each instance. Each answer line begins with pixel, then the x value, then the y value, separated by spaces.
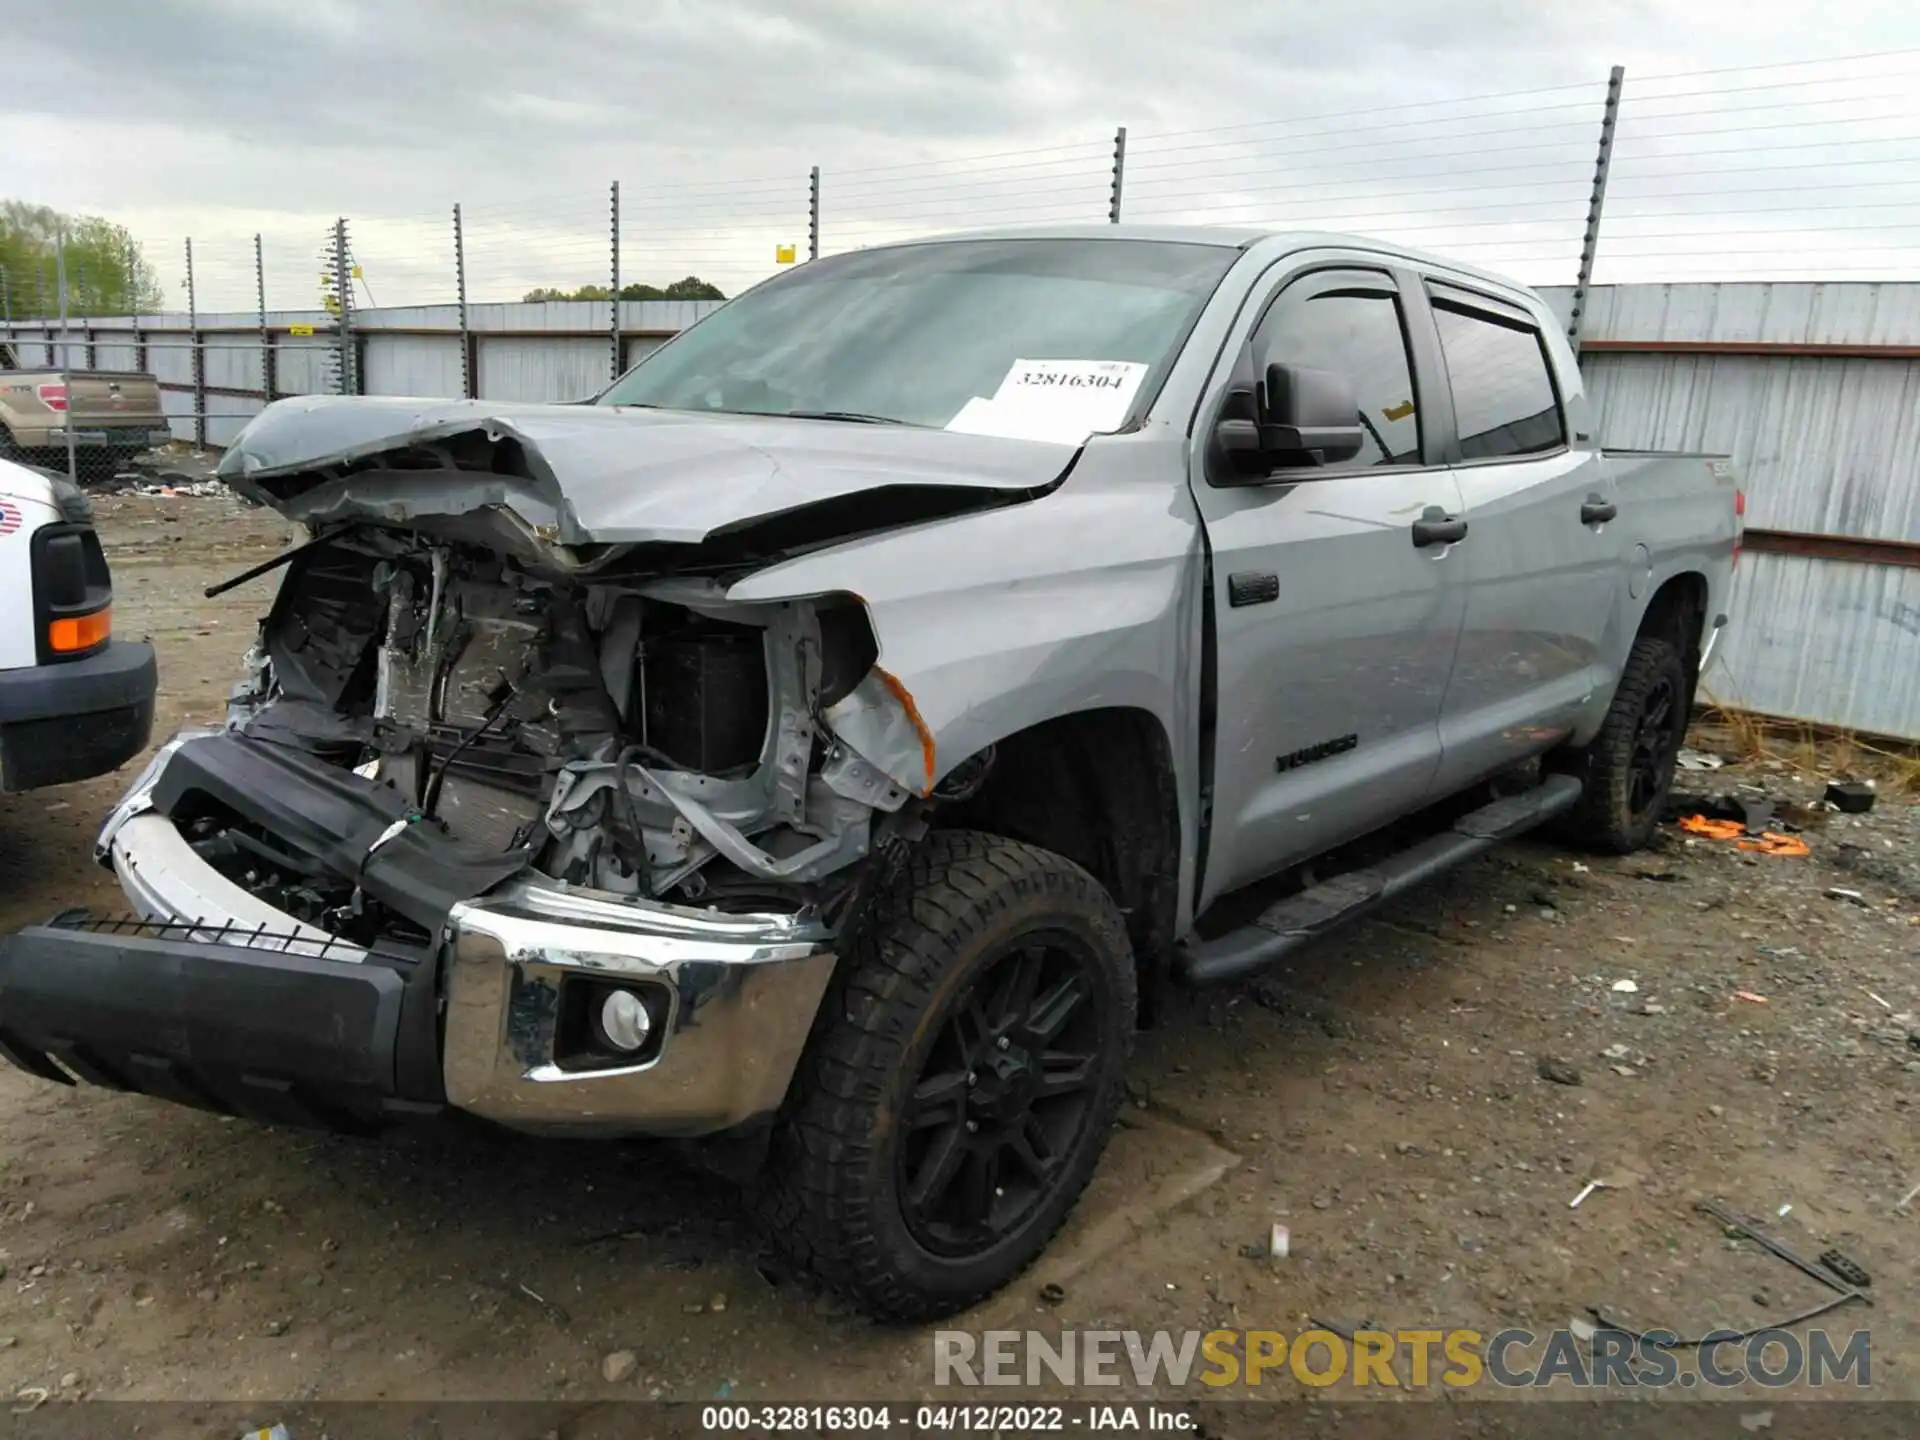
pixel 100 400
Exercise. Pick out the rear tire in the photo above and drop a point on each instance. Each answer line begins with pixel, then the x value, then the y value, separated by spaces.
pixel 1628 767
pixel 961 1080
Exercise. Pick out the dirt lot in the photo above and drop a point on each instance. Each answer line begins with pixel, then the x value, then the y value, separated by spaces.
pixel 1383 1098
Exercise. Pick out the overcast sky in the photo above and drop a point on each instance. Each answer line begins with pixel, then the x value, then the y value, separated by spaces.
pixel 222 118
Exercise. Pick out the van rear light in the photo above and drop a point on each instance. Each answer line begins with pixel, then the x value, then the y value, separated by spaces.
pixel 53 395
pixel 72 592
pixel 74 634
pixel 1739 523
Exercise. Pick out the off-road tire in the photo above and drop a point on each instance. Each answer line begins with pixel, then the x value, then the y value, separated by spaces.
pixel 1613 818
pixel 831 1191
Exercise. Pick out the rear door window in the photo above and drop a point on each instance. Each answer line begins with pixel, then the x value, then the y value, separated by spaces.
pixel 1504 401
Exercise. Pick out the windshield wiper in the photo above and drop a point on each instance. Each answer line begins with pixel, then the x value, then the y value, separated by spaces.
pixel 855 417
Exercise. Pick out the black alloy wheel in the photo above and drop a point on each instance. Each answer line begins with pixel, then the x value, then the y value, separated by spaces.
pixel 961 1079
pixel 1004 1096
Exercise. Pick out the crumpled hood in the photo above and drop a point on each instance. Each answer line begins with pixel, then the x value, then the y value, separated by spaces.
pixel 608 476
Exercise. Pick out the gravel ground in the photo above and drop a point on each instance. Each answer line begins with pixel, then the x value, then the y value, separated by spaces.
pixel 1719 1022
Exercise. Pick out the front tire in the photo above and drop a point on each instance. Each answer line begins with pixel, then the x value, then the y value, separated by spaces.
pixel 1629 765
pixel 961 1080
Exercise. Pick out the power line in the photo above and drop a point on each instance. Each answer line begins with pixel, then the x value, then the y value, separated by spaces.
pixel 1781 65
pixel 1378 110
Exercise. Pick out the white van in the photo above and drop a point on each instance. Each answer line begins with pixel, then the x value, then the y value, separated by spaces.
pixel 74 701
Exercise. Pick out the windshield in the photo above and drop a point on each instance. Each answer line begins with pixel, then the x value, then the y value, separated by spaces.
pixel 937 334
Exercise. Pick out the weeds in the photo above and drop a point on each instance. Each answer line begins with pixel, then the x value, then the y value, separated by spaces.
pixel 1826 750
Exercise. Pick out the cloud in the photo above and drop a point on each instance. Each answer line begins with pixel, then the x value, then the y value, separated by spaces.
pixel 223 118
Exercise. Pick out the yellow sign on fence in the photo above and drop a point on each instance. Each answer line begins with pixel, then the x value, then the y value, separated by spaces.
pixel 299 329
pixel 785 254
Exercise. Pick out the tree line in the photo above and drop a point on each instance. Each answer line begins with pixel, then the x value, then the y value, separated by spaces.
pixel 690 288
pixel 106 272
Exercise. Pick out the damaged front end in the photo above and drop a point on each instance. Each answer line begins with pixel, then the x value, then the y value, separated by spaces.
pixel 559 836
pixel 642 738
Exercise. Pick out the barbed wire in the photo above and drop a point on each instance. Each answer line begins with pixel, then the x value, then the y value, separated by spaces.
pixel 1792 168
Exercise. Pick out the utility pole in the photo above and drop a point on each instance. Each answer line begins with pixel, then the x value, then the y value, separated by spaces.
pixel 1119 175
pixel 199 355
pixel 268 377
pixel 133 303
pixel 343 298
pixel 613 298
pixel 460 288
pixel 1596 204
pixel 813 214
pixel 66 348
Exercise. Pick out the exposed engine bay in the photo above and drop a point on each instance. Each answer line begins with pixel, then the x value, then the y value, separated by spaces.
pixel 642 738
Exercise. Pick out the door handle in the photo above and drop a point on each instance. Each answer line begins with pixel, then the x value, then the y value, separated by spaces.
pixel 1436 527
pixel 1596 511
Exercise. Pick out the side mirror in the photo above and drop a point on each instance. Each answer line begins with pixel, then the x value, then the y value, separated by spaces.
pixel 1312 417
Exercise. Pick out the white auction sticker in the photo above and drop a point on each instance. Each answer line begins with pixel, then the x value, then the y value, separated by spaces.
pixel 1059 400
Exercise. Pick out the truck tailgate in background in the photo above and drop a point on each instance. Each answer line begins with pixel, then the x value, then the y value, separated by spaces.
pixel 100 399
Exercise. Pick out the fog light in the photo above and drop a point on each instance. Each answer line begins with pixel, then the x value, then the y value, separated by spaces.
pixel 624 1021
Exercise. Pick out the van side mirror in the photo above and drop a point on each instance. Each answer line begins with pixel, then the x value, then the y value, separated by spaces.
pixel 1312 417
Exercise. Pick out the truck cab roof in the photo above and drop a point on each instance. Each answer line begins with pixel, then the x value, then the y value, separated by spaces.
pixel 1272 242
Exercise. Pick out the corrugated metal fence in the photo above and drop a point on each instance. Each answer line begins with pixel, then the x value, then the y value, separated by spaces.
pixel 1813 388
pixel 1815 391
pixel 218 371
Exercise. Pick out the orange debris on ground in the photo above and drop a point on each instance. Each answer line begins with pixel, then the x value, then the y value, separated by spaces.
pixel 1712 829
pixel 1767 842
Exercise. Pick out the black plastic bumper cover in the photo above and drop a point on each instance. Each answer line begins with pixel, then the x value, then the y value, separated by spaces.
pixel 77 718
pixel 337 818
pixel 281 1038
pixel 167 1010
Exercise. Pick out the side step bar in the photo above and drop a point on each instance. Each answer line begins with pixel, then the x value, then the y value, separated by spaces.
pixel 1291 923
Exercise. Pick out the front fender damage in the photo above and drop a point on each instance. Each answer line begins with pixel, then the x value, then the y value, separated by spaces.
pixel 646 738
pixel 520 618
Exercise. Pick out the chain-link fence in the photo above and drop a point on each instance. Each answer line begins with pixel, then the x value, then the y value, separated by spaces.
pixel 1808 170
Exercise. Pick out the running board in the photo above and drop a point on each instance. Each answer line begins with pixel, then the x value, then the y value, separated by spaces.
pixel 1291 923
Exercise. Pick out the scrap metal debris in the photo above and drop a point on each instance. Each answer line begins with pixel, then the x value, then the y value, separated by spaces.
pixel 1845 1292
pixel 1851 797
pixel 1846 1268
pixel 1691 759
pixel 194 489
pixel 1738 1228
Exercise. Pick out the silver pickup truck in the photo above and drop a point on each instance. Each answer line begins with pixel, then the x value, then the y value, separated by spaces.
pixel 824 738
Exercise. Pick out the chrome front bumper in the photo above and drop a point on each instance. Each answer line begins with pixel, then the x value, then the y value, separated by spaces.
pixel 743 989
